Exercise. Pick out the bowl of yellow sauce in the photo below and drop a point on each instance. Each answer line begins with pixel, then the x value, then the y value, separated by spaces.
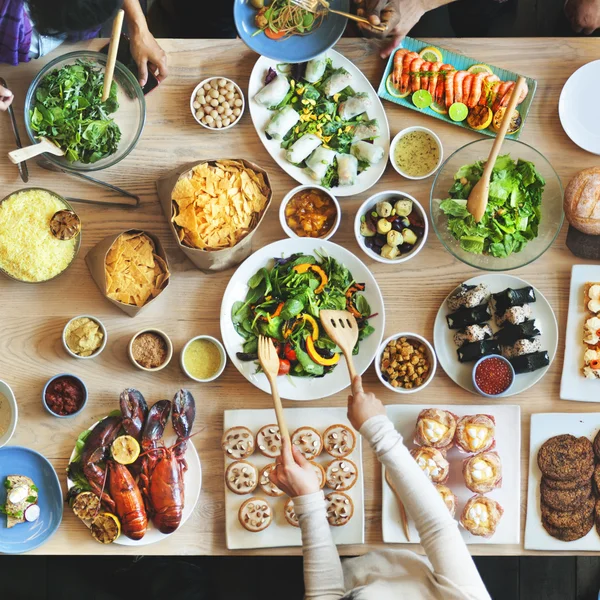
pixel 203 358
pixel 416 153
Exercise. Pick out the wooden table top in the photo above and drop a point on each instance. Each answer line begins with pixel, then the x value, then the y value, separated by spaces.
pixel 33 316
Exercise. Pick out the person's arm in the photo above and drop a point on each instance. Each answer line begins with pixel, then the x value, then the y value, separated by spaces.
pixel 6 98
pixel 144 48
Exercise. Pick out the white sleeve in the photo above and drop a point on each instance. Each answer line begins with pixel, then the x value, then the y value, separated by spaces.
pixel 440 538
pixel 323 576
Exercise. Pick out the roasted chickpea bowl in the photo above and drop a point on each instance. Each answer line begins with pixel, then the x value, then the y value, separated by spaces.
pixel 217 103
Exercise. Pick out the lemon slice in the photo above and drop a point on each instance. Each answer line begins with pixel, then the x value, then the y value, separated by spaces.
pixel 431 54
pixel 392 90
pixel 439 108
pixel 125 450
pixel 515 121
pixel 106 528
pixel 481 68
pixel 458 111
pixel 479 117
pixel 86 506
pixel 422 99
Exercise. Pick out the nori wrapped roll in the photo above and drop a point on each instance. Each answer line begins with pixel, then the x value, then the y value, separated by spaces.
pixel 473 333
pixel 512 333
pixel 509 298
pixel 469 316
pixel 530 362
pixel 476 350
pixel 468 296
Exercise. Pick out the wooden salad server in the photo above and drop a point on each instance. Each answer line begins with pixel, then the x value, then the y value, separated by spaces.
pixel 403 516
pixel 478 198
pixel 45 145
pixel 269 361
pixel 113 48
pixel 342 328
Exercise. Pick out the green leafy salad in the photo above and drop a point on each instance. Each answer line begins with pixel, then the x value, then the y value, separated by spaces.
pixel 283 303
pixel 69 111
pixel 513 213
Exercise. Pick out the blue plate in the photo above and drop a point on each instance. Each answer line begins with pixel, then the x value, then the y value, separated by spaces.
pixel 16 460
pixel 297 48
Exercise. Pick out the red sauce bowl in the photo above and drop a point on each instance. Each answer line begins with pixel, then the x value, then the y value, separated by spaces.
pixel 64 395
pixel 493 376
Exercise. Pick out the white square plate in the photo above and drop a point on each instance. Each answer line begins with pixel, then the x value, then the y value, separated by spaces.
pixel 573 385
pixel 280 532
pixel 508 446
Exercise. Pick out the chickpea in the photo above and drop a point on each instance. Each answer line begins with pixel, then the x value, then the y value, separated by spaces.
pixel 237 103
pixel 223 91
pixel 219 124
pixel 196 105
pixel 225 105
pixel 199 115
pixel 220 110
pixel 226 122
pixel 214 102
pixel 236 112
pixel 208 109
pixel 228 112
pixel 221 99
pixel 222 82
pixel 201 99
pixel 209 120
pixel 206 86
pixel 214 84
pixel 229 96
pixel 213 94
pixel 214 114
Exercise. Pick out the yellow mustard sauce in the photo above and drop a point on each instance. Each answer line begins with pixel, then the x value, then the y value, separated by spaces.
pixel 416 154
pixel 202 359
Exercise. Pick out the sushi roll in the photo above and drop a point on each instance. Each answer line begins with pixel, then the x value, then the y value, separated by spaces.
pixel 509 298
pixel 473 333
pixel 274 92
pixel 354 106
pixel 347 169
pixel 521 348
pixel 302 148
pixel 319 162
pixel 281 122
pixel 315 69
pixel 530 362
pixel 476 350
pixel 469 316
pixel 336 82
pixel 468 296
pixel 365 152
pixel 366 130
pixel 514 315
pixel 512 333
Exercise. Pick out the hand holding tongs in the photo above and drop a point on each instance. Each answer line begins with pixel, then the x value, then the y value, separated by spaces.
pixel 22 166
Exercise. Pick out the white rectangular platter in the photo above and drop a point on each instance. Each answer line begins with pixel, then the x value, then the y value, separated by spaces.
pixel 280 533
pixel 508 446
pixel 543 427
pixel 573 385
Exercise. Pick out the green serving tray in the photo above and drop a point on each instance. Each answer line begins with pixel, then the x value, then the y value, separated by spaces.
pixel 459 62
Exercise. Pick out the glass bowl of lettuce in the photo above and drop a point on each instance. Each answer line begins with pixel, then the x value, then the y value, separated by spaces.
pixel 64 104
pixel 524 213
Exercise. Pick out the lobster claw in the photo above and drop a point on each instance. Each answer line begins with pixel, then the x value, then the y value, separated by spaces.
pixel 156 423
pixel 184 413
pixel 134 410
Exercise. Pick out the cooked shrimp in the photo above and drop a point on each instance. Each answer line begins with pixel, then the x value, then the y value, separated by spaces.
pixel 440 92
pixel 490 86
pixel 415 78
pixel 459 77
pixel 425 68
pixel 397 72
pixel 476 89
pixel 449 88
pixel 466 91
pixel 503 96
pixel 435 67
pixel 405 78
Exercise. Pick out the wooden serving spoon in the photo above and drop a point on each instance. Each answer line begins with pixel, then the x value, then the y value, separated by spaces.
pixel 403 516
pixel 113 48
pixel 478 198
pixel 45 145
pixel 342 328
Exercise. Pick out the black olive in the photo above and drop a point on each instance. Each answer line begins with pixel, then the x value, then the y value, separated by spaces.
pixel 397 225
pixel 406 248
pixel 377 249
pixel 369 242
pixel 419 231
pixel 379 241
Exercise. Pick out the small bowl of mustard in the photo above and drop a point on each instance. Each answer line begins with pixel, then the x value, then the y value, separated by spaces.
pixel 150 350
pixel 203 358
pixel 84 337
pixel 416 153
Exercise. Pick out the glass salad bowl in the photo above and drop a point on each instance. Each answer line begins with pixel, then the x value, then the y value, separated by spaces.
pixel 130 115
pixel 512 208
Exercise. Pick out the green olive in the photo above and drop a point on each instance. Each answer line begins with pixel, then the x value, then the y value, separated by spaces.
pixel 257 4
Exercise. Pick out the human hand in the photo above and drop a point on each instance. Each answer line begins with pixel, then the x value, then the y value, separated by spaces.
pixel 362 405
pixel 584 15
pixel 148 55
pixel 293 474
pixel 6 98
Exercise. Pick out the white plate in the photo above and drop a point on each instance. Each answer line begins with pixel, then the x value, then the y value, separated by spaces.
pixel 261 115
pixel 280 532
pixel 543 427
pixel 445 347
pixel 508 446
pixel 579 116
pixel 302 388
pixel 573 385
pixel 193 485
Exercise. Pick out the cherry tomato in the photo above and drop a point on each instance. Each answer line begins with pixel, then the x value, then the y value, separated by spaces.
pixel 284 367
pixel 274 35
pixel 289 352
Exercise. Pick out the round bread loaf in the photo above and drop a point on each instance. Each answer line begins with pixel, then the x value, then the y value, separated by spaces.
pixel 582 201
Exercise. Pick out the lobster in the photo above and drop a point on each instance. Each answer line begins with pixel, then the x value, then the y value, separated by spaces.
pixel 129 504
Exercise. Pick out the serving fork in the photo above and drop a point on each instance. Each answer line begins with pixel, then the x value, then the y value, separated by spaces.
pixel 318 6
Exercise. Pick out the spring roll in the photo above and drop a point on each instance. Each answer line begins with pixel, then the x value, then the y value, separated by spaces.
pixel 367 152
pixel 315 69
pixel 354 106
pixel 274 92
pixel 319 161
pixel 281 122
pixel 366 130
pixel 347 169
pixel 302 148
pixel 337 81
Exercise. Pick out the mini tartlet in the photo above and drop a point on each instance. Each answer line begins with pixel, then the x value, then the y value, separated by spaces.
pixel 432 463
pixel 476 433
pixel 268 441
pixel 241 477
pixel 238 443
pixel 339 441
pixel 308 441
pixel 266 485
pixel 481 516
pixel 255 514
pixel 483 472
pixel 290 513
pixel 448 496
pixel 435 428
pixel 340 508
pixel 341 474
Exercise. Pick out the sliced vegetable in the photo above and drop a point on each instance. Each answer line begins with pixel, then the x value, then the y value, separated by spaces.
pixel 284 366
pixel 320 360
pixel 304 268
pixel 32 513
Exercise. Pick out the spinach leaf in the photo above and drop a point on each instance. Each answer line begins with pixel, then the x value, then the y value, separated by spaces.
pixel 312 368
pixel 291 308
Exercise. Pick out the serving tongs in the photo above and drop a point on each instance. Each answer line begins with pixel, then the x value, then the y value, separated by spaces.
pixel 322 6
pixel 23 171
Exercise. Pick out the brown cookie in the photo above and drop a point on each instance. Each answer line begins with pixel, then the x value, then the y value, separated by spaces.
pixel 564 500
pixel 565 457
pixel 570 534
pixel 596 478
pixel 569 519
pixel 597 445
pixel 569 484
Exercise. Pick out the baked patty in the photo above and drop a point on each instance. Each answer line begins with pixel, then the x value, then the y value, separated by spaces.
pixel 564 457
pixel 569 519
pixel 564 500
pixel 570 534
pixel 568 484
pixel 597 445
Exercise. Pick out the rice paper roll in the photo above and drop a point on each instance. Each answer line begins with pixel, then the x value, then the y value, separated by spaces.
pixel 367 152
pixel 302 148
pixel 347 168
pixel 319 161
pixel 281 122
pixel 366 130
pixel 274 92
pixel 315 69
pixel 336 82
pixel 354 106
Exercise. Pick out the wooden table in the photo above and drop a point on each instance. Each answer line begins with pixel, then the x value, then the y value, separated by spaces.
pixel 33 316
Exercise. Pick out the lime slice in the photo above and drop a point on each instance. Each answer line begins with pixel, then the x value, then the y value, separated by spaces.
pixel 458 111
pixel 480 69
pixel 422 99
pixel 439 108
pixel 431 54
pixel 392 90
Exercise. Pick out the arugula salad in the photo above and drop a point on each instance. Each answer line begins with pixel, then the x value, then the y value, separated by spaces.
pixel 69 111
pixel 284 301
pixel 513 213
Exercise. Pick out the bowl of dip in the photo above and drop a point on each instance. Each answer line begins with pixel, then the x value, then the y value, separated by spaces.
pixel 493 376
pixel 203 358
pixel 9 413
pixel 150 350
pixel 64 395
pixel 416 153
pixel 310 211
pixel 84 337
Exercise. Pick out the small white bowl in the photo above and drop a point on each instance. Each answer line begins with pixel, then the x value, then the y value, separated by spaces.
pixel 370 204
pixel 291 194
pixel 430 355
pixel 169 350
pixel 6 391
pixel 193 99
pixel 218 344
pixel 401 135
pixel 104 339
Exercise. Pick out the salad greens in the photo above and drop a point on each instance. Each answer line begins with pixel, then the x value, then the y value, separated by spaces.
pixel 69 111
pixel 513 213
pixel 284 301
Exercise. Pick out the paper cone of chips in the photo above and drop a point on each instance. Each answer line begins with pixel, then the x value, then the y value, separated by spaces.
pixel 130 269
pixel 214 207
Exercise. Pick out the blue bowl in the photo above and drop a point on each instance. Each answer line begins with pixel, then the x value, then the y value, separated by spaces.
pixel 480 391
pixel 85 395
pixel 297 48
